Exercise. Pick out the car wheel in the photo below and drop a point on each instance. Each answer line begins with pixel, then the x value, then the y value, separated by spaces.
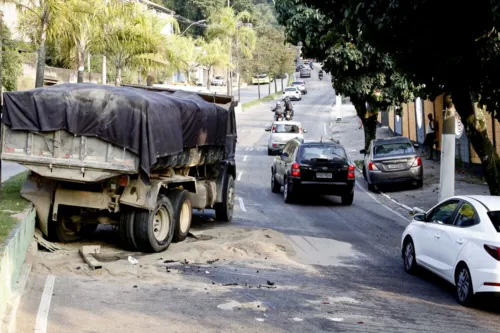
pixel 287 192
pixel 420 183
pixel 347 199
pixel 463 283
pixel 275 186
pixel 364 174
pixel 409 258
pixel 372 188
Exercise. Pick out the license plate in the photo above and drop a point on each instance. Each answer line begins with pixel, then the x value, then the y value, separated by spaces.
pixel 395 166
pixel 323 175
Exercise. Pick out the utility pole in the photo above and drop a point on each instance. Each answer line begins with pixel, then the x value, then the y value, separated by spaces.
pixel 447 168
pixel 88 66
pixel 238 62
pixel 338 106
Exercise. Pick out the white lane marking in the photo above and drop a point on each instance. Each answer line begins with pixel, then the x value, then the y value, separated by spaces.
pixel 43 310
pixel 245 158
pixel 239 176
pixel 242 205
pixel 388 208
pixel 324 128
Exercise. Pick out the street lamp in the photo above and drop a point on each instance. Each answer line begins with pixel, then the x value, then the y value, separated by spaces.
pixel 194 23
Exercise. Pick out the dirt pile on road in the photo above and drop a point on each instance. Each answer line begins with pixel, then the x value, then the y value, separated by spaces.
pixel 204 249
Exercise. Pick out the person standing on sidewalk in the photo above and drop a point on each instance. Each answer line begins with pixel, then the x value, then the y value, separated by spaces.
pixel 430 136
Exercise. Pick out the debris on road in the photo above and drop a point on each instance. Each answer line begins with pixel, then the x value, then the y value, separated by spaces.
pixel 170 261
pixel 49 246
pixel 228 284
pixel 298 319
pixel 336 319
pixel 268 287
pixel 86 254
pixel 258 306
pixel 212 261
pixel 269 283
pixel 132 260
pixel 260 319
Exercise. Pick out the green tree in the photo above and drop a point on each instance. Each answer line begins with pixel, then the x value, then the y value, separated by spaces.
pixel 358 70
pixel 228 26
pixel 213 55
pixel 42 21
pixel 132 37
pixel 459 55
pixel 12 66
pixel 83 31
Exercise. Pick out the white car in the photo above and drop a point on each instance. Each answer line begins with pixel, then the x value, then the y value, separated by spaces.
pixel 293 93
pixel 459 240
pixel 281 133
pixel 218 81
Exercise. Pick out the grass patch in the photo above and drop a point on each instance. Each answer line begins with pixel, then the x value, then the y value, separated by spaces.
pixel 11 203
pixel 359 163
pixel 262 100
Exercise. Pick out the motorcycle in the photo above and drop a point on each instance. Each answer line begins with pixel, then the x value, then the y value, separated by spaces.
pixel 321 76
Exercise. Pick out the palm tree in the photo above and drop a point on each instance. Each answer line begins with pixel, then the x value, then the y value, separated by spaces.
pixel 228 26
pixel 84 30
pixel 133 38
pixel 212 55
pixel 42 20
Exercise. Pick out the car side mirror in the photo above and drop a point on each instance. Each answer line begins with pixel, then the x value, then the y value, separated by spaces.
pixel 415 145
pixel 267 129
pixel 420 217
pixel 362 151
pixel 304 130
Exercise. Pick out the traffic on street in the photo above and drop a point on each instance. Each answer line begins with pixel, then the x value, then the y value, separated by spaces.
pixel 332 261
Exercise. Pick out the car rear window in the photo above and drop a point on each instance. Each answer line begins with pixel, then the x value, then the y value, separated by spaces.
pixel 219 77
pixel 495 219
pixel 282 128
pixel 297 82
pixel 310 153
pixel 390 149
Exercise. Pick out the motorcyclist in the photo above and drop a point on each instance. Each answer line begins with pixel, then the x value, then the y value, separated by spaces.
pixel 289 105
pixel 278 109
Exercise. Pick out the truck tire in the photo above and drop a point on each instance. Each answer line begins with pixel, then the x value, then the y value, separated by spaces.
pixel 224 210
pixel 154 230
pixel 183 213
pixel 127 238
pixel 63 230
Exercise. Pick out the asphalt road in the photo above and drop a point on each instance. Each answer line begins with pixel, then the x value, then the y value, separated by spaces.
pixel 362 287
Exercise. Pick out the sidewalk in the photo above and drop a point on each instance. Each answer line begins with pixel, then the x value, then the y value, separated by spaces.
pixel 427 196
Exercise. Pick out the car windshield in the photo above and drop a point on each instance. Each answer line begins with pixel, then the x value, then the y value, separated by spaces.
pixel 290 89
pixel 390 149
pixel 282 128
pixel 261 76
pixel 322 153
pixel 495 219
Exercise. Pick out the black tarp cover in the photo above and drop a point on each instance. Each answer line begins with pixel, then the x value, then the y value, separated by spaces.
pixel 149 124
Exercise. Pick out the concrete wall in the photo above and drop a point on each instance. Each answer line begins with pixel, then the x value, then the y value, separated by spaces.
pixel 12 254
pixel 61 75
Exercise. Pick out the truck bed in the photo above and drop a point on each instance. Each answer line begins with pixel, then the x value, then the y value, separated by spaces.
pixel 61 155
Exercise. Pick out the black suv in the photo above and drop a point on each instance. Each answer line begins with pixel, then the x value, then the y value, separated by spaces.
pixel 321 168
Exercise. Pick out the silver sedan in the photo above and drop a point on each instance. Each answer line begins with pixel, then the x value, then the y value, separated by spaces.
pixel 390 161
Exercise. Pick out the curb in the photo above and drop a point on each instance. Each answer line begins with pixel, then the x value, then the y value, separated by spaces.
pixel 413 210
pixel 12 255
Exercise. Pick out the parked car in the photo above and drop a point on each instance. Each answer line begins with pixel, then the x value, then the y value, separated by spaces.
pixel 292 92
pixel 459 240
pixel 305 72
pixel 218 81
pixel 301 85
pixel 317 168
pixel 392 160
pixel 262 79
pixel 281 133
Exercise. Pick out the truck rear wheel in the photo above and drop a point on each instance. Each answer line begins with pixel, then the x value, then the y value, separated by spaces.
pixel 63 230
pixel 183 213
pixel 127 238
pixel 224 210
pixel 154 230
